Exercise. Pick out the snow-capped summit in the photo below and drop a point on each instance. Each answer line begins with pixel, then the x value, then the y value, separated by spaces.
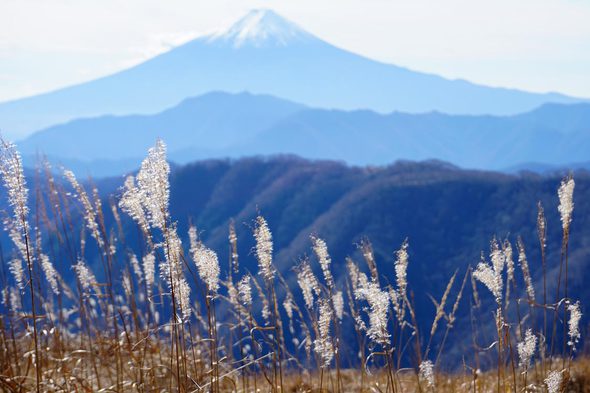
pixel 264 53
pixel 261 27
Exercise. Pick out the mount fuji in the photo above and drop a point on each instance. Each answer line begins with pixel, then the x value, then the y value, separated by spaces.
pixel 264 53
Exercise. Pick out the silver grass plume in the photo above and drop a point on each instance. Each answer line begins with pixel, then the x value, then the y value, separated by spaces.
pixel 127 283
pixel 233 241
pixel 15 300
pixel 131 204
pixel 323 343
pixel 4 294
pixel 554 381
pixel 426 373
pixel 135 266
pixel 399 295
pixel 16 268
pixel 308 283
pixel 491 276
pixel 264 248
pixel 487 276
pixel 369 257
pixel 397 304
pixel 524 265
pixel 541 225
pixel 172 274
pixel 11 169
pixel 154 186
pixel 51 274
pixel 338 302
pixel 526 349
pixel 18 239
pixel 232 294
pixel 116 216
pixel 184 293
pixel 206 261
pixel 566 202
pixel 358 280
pixel 90 215
pixel 574 323
pixel 149 271
pixel 288 306
pixel 378 311
pixel 245 291
pixel 476 301
pixel 321 251
pixel 507 251
pixel 264 300
pixel 509 263
pixel 85 276
pixel 401 269
pixel 497 257
pixel 354 273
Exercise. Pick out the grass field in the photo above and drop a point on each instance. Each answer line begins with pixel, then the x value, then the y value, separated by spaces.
pixel 84 311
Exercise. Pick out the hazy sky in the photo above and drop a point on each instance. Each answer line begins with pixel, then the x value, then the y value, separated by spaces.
pixel 537 45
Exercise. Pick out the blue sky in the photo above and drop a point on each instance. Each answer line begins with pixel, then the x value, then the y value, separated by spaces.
pixel 536 45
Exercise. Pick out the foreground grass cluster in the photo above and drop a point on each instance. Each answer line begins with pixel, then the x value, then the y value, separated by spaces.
pixel 162 317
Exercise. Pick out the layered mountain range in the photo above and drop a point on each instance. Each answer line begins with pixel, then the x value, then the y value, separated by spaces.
pixel 448 215
pixel 239 125
pixel 264 53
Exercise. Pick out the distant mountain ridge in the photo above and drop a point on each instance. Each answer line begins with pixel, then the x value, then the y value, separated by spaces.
pixel 448 215
pixel 264 53
pixel 237 125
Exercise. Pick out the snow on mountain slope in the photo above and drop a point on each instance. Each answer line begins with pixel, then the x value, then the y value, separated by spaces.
pixel 266 54
pixel 259 28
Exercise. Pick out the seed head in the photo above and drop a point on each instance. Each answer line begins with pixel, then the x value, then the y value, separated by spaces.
pixel 245 291
pixel 566 202
pixel 131 204
pixel 323 343
pixel 574 323
pixel 426 373
pixel 90 215
pixel 153 185
pixel 11 169
pixel 321 251
pixel 379 306
pixel 554 381
pixel 526 349
pixel 16 268
pixel 135 265
pixel 51 274
pixel 401 269
pixel 206 261
pixel 149 271
pixel 85 275
pixel 264 248
pixel 524 265
pixel 308 284
pixel 338 302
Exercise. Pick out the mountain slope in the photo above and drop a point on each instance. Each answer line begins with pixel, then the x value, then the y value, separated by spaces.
pixel 449 215
pixel 488 142
pixel 264 53
pixel 227 125
pixel 206 123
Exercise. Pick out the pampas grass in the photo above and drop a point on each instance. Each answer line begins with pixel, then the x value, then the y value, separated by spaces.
pixel 165 315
